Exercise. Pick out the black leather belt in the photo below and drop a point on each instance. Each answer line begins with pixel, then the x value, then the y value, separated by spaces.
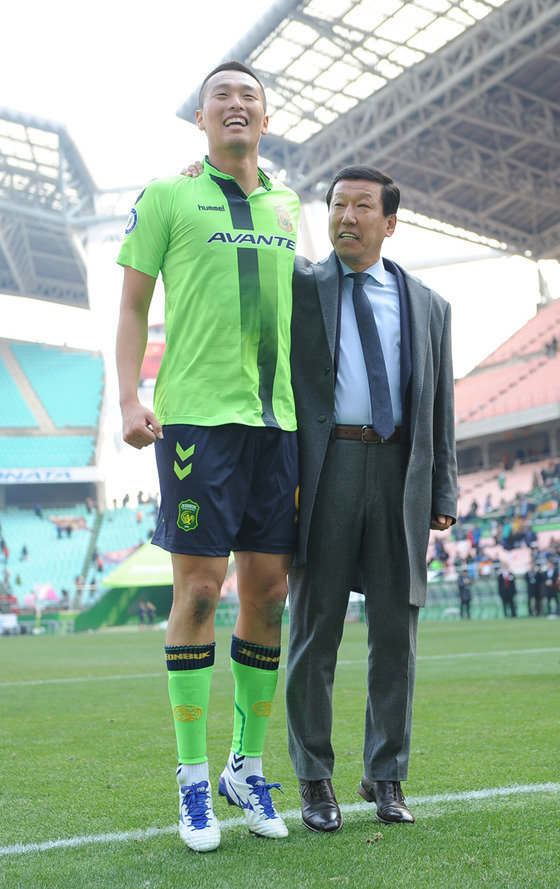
pixel 365 433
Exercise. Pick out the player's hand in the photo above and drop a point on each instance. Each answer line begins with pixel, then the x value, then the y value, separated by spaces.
pixel 193 170
pixel 440 522
pixel 141 427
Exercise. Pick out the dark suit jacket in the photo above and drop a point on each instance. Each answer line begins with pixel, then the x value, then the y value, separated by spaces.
pixel 506 590
pixel 431 469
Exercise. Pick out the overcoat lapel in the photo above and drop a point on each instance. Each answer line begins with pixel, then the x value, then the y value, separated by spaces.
pixel 420 309
pixel 327 278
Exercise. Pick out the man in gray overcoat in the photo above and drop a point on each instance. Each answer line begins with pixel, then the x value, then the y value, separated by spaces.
pixel 373 380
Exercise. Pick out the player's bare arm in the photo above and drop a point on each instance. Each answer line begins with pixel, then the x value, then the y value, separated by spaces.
pixel 140 425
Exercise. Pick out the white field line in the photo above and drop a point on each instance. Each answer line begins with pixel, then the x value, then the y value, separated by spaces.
pixel 291 815
pixel 161 673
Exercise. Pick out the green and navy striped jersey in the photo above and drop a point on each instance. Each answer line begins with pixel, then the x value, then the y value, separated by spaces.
pixel 226 261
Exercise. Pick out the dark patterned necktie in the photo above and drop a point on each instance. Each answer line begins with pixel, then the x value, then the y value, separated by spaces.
pixel 379 393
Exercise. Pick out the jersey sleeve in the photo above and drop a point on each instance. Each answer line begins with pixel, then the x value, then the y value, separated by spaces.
pixel 147 230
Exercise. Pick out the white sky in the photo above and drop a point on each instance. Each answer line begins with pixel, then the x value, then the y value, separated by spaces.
pixel 114 73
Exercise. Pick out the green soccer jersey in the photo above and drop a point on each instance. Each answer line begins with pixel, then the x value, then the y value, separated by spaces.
pixel 226 261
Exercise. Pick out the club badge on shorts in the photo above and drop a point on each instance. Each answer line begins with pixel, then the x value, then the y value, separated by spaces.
pixel 188 515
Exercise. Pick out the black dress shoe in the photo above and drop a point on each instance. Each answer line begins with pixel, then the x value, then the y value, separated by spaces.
pixel 391 805
pixel 319 808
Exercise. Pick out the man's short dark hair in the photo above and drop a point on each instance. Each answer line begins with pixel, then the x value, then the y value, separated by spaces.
pixel 229 66
pixel 390 193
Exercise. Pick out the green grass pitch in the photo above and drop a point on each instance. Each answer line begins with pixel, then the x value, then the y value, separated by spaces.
pixel 87 758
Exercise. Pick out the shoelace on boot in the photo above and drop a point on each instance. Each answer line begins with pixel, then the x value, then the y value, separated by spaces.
pixel 262 793
pixel 195 800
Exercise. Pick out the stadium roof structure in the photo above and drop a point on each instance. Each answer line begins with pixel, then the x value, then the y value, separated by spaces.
pixel 44 184
pixel 458 100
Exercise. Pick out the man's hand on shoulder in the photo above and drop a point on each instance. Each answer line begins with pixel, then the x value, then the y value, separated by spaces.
pixel 141 427
pixel 193 170
pixel 440 522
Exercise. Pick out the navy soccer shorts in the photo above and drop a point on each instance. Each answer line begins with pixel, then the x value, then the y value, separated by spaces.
pixel 227 488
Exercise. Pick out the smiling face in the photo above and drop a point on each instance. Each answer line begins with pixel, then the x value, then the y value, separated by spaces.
pixel 357 224
pixel 233 112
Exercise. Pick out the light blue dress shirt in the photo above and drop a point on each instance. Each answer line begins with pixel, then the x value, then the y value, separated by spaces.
pixel 352 405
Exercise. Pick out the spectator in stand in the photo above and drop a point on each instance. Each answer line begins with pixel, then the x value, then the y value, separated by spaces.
pixel 4 549
pixel 507 591
pixel 441 553
pixel 488 503
pixel 464 583
pixel 125 500
pixel 38 511
pixel 150 613
pixel 534 580
pixel 141 612
pixel 24 553
pixel 551 586
pixel 506 534
pixel 530 537
pixel 89 505
pixel 501 479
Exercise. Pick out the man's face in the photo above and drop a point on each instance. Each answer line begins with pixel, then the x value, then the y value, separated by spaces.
pixel 357 226
pixel 232 114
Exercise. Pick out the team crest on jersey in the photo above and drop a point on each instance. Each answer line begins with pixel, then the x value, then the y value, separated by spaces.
pixel 284 220
pixel 188 515
pixel 132 222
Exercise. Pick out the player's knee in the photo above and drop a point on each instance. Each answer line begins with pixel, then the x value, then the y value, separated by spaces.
pixel 204 604
pixel 198 602
pixel 273 603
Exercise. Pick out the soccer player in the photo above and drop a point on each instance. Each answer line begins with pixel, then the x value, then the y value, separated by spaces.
pixel 224 430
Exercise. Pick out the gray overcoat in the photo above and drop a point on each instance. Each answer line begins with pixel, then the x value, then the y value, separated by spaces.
pixel 430 486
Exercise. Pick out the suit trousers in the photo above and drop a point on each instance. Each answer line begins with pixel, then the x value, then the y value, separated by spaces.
pixel 357 520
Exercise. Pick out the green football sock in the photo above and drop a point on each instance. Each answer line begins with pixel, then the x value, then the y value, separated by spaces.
pixel 255 670
pixel 190 673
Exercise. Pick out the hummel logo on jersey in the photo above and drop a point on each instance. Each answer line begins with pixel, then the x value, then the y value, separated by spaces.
pixel 222 208
pixel 248 238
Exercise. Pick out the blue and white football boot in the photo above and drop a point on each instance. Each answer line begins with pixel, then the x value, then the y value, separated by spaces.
pixel 253 797
pixel 198 826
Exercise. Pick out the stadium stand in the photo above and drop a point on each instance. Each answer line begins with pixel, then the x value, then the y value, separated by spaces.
pixel 57 559
pixel 19 452
pixel 54 558
pixel 51 400
pixel 77 375
pixel 531 338
pixel 125 527
pixel 15 411
pixel 521 374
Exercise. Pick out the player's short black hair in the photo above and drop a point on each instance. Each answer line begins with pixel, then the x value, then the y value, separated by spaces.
pixel 233 65
pixel 390 193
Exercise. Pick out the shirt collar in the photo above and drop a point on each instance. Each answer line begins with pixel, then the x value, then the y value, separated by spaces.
pixel 376 271
pixel 263 178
